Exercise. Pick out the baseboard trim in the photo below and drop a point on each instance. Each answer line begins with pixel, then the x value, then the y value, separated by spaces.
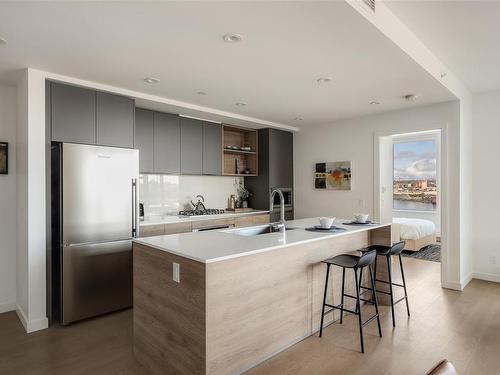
pixel 452 285
pixel 22 317
pixel 486 276
pixel 31 325
pixel 467 280
pixel 7 306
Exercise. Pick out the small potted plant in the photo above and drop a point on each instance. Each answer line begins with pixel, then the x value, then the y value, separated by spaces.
pixel 243 194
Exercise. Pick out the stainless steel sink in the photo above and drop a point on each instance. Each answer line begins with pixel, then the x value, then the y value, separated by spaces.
pixel 261 229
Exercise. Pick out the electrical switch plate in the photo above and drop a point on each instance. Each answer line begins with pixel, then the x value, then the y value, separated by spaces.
pixel 176 272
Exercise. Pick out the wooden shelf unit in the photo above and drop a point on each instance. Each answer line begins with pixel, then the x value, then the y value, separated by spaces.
pixel 236 136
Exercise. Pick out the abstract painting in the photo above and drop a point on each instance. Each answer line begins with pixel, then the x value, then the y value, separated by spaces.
pixel 333 175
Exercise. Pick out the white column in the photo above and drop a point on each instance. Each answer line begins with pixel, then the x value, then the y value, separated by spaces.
pixel 30 157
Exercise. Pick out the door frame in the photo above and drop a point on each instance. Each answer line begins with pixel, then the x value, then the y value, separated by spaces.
pixel 443 186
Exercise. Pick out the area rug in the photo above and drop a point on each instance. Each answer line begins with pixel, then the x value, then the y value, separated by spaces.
pixel 431 253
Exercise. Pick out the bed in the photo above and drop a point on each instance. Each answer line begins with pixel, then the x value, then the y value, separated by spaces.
pixel 417 233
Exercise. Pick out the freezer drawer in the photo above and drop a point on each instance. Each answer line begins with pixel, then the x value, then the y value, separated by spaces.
pixel 97 279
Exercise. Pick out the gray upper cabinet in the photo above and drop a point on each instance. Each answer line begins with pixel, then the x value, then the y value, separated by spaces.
pixel 144 139
pixel 73 114
pixel 212 149
pixel 167 143
pixel 115 120
pixel 191 146
pixel 79 115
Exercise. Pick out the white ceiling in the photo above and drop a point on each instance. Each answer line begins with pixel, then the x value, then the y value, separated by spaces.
pixel 464 35
pixel 286 46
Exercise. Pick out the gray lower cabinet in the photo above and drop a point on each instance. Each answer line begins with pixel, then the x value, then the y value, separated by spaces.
pixel 212 149
pixel 115 120
pixel 191 146
pixel 144 139
pixel 73 112
pixel 167 143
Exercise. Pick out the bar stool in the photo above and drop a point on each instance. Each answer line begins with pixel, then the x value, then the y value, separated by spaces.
pixel 389 251
pixel 356 263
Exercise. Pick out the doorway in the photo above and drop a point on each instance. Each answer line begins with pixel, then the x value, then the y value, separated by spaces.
pixel 408 191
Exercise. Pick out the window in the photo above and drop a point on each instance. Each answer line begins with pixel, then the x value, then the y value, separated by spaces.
pixel 415 185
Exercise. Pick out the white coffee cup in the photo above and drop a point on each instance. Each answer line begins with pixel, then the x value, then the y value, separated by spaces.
pixel 361 218
pixel 326 222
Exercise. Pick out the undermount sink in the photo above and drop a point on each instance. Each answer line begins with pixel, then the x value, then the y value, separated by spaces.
pixel 261 229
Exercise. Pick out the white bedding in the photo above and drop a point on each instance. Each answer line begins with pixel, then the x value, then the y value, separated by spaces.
pixel 414 229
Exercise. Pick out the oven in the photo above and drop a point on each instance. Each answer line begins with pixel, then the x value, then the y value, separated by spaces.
pixel 287 195
pixel 275 210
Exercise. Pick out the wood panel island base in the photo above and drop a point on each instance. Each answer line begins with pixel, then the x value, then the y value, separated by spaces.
pixel 238 299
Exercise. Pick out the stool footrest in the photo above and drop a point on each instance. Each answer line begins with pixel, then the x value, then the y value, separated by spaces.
pixel 401 299
pixel 387 282
pixel 361 299
pixel 338 307
pixel 370 320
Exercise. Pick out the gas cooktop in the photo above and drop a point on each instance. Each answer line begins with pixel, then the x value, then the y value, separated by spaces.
pixel 208 211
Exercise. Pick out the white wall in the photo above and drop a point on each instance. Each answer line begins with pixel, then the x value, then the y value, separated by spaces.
pixel 30 157
pixel 354 140
pixel 22 200
pixel 486 182
pixel 8 211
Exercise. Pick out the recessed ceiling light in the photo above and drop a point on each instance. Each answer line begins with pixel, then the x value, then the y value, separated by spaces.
pixel 323 79
pixel 298 118
pixel 411 97
pixel 375 102
pixel 201 93
pixel 3 41
pixel 232 38
pixel 151 80
pixel 240 104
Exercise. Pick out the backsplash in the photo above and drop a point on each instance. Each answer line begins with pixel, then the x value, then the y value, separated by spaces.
pixel 168 194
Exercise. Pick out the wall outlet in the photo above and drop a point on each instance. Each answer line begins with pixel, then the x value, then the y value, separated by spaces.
pixel 176 272
pixel 361 202
pixel 493 259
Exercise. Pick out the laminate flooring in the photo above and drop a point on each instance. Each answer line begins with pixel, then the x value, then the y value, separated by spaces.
pixel 463 327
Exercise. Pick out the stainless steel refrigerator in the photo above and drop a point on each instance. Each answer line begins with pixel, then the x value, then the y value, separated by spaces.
pixel 94 219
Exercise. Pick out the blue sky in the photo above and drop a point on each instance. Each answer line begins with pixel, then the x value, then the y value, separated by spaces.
pixel 415 160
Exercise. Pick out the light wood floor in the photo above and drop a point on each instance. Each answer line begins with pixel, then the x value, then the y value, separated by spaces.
pixel 463 327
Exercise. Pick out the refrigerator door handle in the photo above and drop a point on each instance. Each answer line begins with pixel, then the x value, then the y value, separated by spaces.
pixel 135 217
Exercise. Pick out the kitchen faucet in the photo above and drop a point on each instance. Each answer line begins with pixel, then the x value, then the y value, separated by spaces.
pixel 281 224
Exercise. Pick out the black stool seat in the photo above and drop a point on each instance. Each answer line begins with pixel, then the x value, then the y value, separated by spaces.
pixel 380 249
pixel 344 260
pixel 356 263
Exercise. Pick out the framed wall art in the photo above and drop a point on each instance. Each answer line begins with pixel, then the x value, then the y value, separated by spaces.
pixel 333 175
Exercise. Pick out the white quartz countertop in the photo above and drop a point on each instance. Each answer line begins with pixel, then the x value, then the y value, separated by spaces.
pixel 214 246
pixel 182 219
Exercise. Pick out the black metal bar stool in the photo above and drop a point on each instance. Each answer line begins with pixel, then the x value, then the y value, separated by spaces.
pixel 389 251
pixel 357 263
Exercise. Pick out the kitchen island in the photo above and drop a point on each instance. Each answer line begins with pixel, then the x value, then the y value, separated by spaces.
pixel 220 302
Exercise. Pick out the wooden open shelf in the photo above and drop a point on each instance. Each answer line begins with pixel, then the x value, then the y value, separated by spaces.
pixel 239 151
pixel 236 136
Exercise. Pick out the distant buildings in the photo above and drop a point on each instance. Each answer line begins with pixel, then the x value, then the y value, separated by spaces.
pixel 414 187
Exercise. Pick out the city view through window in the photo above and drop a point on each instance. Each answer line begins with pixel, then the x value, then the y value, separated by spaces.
pixel 415 175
